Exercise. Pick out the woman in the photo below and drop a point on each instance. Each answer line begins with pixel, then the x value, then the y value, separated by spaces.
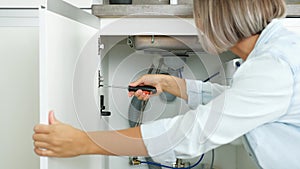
pixel 261 103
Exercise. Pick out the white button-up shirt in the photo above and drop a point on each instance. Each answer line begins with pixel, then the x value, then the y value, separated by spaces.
pixel 263 102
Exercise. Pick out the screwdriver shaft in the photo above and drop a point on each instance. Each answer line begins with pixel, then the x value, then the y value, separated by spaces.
pixel 113 86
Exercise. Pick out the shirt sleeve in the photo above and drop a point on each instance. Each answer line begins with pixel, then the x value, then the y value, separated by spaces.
pixel 261 92
pixel 202 92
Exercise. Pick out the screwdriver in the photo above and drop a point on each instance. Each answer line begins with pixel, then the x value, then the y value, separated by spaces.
pixel 146 89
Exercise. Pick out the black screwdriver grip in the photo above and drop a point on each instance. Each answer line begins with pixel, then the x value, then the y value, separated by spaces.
pixel 150 89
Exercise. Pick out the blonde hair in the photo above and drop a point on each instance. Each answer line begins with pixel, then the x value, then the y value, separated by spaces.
pixel 223 23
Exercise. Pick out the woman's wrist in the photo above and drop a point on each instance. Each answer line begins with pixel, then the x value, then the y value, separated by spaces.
pixel 90 147
pixel 173 85
pixel 86 143
pixel 165 82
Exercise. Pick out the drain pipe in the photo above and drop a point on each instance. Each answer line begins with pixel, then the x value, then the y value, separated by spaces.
pixel 135 114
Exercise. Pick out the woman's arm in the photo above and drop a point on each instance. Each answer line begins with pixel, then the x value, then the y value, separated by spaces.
pixel 261 93
pixel 199 92
pixel 61 140
pixel 126 142
pixel 195 92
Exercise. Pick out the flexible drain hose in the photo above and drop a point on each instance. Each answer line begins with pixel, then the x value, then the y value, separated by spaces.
pixel 135 113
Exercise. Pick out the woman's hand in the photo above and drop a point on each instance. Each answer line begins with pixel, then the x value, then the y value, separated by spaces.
pixel 162 83
pixel 59 140
pixel 156 81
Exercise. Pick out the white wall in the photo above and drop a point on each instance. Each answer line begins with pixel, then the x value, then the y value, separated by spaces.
pixel 36 3
pixel 16 3
pixel 18 96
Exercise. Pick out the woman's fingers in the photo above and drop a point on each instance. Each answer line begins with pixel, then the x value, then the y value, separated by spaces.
pixel 40 137
pixel 152 80
pixel 44 152
pixel 147 97
pixel 41 128
pixel 41 145
pixel 141 95
pixel 58 139
pixel 138 82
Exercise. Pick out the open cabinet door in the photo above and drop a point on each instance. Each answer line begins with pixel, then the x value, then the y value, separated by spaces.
pixel 69 61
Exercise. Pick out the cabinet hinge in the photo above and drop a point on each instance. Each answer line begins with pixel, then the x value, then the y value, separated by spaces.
pixel 100 46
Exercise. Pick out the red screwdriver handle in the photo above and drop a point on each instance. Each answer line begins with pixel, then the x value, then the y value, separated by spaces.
pixel 150 89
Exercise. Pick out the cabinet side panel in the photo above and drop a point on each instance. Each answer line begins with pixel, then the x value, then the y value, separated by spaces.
pixel 62 43
pixel 18 96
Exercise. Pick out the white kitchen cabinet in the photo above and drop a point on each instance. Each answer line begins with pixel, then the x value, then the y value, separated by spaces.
pixel 122 68
pixel 69 62
pixel 36 3
pixel 68 65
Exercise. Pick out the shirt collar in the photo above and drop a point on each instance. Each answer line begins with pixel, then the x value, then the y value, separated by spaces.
pixel 267 34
